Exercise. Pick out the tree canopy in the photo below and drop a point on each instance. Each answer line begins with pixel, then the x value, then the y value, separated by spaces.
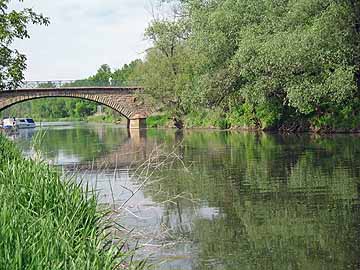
pixel 13 25
pixel 269 59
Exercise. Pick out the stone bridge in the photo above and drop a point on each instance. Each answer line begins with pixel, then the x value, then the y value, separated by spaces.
pixel 125 100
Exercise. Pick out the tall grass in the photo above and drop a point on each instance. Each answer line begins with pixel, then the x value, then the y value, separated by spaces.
pixel 49 223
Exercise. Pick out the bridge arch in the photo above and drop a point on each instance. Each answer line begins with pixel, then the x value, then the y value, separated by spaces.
pixel 123 100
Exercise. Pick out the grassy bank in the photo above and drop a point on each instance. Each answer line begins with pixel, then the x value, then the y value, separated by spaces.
pixel 267 119
pixel 49 223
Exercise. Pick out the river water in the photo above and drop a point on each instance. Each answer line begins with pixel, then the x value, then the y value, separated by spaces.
pixel 219 200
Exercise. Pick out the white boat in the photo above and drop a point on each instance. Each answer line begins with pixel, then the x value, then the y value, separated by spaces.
pixel 25 123
pixel 8 123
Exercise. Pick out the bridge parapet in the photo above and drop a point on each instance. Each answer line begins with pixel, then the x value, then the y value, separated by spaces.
pixel 75 83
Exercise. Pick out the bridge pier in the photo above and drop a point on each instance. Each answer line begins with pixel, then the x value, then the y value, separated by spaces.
pixel 138 123
pixel 137 136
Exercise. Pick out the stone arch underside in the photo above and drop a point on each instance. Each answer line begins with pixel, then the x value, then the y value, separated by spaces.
pixel 124 102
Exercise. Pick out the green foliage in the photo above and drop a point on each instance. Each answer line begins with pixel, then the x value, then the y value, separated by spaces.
pixel 342 119
pixel 162 120
pixel 277 57
pixel 269 115
pixel 261 63
pixel 47 222
pixel 206 119
pixel 52 109
pixel 242 115
pixel 103 75
pixel 8 151
pixel 13 26
pixel 83 109
pixel 167 75
pixel 129 74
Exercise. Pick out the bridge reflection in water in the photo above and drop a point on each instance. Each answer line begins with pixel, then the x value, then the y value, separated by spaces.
pixel 82 146
pixel 133 150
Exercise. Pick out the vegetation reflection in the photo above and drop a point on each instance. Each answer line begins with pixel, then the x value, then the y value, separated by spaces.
pixel 282 202
pixel 247 200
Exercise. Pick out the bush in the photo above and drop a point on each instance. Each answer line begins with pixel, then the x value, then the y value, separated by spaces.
pixel 206 119
pixel 343 119
pixel 161 120
pixel 269 114
pixel 241 115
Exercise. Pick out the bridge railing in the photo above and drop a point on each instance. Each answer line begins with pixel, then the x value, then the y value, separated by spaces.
pixel 75 83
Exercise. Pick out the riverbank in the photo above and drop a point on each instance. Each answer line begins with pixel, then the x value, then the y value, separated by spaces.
pixel 218 120
pixel 47 222
pixel 90 119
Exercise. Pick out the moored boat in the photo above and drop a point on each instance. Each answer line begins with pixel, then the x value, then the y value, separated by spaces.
pixel 12 123
pixel 25 123
pixel 8 123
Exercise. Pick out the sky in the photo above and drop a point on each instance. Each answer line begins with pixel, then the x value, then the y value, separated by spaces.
pixel 83 35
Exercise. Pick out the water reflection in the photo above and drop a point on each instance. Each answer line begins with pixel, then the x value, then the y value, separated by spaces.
pixel 248 201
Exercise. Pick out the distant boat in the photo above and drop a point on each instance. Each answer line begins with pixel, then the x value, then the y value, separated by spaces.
pixel 25 123
pixel 12 123
pixel 8 123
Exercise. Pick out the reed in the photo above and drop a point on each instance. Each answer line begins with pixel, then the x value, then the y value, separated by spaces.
pixel 49 223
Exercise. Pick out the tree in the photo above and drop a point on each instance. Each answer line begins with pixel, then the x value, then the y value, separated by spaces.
pixel 83 108
pixel 13 25
pixel 129 74
pixel 277 58
pixel 102 76
pixel 167 65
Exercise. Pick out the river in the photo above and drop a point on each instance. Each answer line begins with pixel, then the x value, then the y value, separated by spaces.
pixel 216 199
